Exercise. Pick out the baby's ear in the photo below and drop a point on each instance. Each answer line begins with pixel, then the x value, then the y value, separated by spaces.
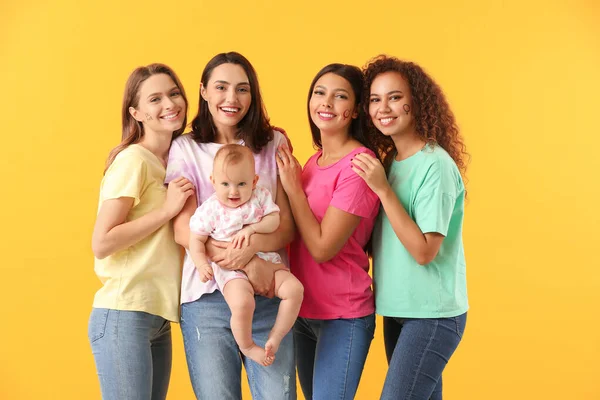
pixel 212 180
pixel 255 181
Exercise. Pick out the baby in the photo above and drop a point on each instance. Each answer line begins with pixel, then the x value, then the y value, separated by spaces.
pixel 237 210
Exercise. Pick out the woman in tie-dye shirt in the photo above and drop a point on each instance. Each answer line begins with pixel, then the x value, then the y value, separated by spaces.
pixel 231 111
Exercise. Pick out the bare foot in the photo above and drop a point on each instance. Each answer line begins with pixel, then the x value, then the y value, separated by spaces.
pixel 269 354
pixel 271 347
pixel 257 354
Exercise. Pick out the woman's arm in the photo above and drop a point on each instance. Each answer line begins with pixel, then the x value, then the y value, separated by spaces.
pixel 284 234
pixel 181 222
pixel 423 247
pixel 112 233
pixel 325 239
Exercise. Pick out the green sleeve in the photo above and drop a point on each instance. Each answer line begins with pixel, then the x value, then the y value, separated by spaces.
pixel 435 199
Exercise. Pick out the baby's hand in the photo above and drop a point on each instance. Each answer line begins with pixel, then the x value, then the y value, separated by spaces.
pixel 242 238
pixel 206 272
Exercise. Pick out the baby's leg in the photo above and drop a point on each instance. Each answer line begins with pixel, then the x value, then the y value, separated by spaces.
pixel 239 296
pixel 291 292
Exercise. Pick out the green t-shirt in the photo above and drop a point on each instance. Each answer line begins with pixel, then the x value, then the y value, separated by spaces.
pixel 432 192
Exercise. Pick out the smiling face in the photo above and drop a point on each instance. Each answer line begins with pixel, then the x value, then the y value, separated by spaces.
pixel 233 176
pixel 161 107
pixel 228 95
pixel 332 104
pixel 390 104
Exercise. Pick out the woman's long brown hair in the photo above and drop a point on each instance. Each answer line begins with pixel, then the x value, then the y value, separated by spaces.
pixel 133 130
pixel 254 129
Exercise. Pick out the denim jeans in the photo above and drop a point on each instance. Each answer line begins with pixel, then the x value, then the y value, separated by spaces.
pixel 215 362
pixel 132 350
pixel 331 354
pixel 418 350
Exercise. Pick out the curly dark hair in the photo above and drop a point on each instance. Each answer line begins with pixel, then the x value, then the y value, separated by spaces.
pixel 434 121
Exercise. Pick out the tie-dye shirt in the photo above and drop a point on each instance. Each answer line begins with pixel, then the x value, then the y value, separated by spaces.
pixel 194 161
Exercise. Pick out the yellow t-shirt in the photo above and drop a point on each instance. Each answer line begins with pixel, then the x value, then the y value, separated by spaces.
pixel 146 276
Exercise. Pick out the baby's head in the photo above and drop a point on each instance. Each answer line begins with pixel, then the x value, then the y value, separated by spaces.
pixel 233 176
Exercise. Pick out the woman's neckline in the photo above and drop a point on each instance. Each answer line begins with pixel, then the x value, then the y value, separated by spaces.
pixel 320 154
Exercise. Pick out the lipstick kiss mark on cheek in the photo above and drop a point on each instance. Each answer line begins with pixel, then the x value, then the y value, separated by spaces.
pixel 346 114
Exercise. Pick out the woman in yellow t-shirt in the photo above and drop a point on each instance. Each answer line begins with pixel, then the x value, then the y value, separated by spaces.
pixel 137 258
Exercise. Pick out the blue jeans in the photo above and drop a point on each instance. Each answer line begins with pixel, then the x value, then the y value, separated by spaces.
pixel 215 362
pixel 132 350
pixel 418 350
pixel 331 355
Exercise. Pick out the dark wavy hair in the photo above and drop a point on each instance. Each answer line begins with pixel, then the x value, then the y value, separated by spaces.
pixel 254 129
pixel 357 130
pixel 133 130
pixel 434 121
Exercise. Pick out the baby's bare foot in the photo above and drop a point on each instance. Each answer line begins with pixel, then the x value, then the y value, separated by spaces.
pixel 269 354
pixel 256 353
pixel 271 347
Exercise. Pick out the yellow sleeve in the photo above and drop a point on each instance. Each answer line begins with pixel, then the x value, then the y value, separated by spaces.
pixel 124 178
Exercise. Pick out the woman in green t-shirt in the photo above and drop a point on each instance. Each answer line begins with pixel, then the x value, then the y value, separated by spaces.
pixel 419 264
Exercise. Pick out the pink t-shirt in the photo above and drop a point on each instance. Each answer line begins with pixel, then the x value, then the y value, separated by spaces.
pixel 194 161
pixel 340 287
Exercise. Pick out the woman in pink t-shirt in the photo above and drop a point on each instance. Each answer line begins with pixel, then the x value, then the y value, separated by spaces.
pixel 335 212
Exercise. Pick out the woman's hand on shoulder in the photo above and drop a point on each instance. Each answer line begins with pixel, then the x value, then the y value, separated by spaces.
pixel 178 191
pixel 282 131
pixel 290 171
pixel 370 169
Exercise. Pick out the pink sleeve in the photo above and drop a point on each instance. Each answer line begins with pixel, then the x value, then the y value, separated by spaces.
pixel 203 221
pixel 352 194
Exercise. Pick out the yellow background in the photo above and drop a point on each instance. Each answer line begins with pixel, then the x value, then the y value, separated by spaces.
pixel 521 76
